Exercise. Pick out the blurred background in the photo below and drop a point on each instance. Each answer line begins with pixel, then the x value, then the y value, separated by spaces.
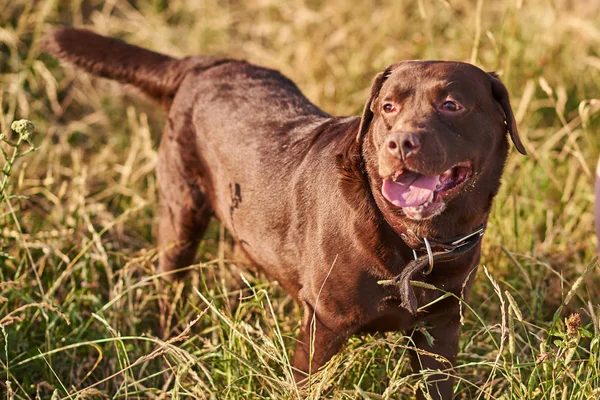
pixel 82 312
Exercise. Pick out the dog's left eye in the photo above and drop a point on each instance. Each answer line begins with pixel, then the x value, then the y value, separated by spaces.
pixel 388 108
pixel 451 106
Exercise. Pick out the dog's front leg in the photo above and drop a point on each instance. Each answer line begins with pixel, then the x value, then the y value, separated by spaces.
pixel 317 343
pixel 444 334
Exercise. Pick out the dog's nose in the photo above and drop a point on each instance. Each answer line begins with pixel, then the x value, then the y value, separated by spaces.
pixel 403 144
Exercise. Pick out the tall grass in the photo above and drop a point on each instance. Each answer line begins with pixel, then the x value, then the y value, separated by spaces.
pixel 83 313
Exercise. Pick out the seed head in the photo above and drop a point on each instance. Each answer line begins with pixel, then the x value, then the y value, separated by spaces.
pixel 543 357
pixel 573 323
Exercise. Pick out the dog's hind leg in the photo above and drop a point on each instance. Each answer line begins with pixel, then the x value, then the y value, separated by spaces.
pixel 184 208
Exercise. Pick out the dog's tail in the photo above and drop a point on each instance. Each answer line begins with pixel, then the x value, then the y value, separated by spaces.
pixel 156 75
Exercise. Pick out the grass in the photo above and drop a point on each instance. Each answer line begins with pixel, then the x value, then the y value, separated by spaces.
pixel 83 313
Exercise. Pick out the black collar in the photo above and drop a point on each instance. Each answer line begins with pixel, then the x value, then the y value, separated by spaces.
pixel 456 244
pixel 446 250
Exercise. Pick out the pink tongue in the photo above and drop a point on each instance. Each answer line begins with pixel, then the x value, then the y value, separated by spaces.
pixel 409 190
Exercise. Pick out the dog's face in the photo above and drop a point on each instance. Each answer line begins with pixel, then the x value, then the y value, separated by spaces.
pixel 436 137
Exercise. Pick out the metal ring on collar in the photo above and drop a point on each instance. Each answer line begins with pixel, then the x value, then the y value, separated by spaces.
pixel 429 256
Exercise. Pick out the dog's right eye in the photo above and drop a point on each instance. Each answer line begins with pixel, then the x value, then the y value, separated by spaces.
pixel 388 108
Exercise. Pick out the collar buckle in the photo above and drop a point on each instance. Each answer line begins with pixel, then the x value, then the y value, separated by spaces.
pixel 461 241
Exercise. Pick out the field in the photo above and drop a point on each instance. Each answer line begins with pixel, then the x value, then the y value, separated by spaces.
pixel 83 312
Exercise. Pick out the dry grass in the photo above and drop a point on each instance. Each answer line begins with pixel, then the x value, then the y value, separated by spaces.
pixel 83 313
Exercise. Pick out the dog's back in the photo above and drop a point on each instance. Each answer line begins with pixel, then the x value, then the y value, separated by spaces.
pixel 245 134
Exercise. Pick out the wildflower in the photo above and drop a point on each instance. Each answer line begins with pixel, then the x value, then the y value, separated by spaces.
pixel 24 128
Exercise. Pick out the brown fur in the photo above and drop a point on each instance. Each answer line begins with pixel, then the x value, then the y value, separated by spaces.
pixel 300 191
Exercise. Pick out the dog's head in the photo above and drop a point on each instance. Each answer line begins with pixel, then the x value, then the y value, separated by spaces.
pixel 434 141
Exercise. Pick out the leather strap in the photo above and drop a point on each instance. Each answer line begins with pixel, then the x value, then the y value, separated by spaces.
pixel 450 251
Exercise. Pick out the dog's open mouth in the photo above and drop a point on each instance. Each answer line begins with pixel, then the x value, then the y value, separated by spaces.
pixel 422 196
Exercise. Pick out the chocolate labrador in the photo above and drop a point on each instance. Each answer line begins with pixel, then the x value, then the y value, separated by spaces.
pixel 366 221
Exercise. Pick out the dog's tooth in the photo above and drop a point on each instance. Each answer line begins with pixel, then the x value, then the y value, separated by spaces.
pixel 446 176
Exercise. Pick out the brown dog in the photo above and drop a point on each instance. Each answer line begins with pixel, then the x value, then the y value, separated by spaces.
pixel 327 206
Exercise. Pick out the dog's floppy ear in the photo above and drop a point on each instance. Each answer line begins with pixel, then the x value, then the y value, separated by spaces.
pixel 501 96
pixel 367 115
